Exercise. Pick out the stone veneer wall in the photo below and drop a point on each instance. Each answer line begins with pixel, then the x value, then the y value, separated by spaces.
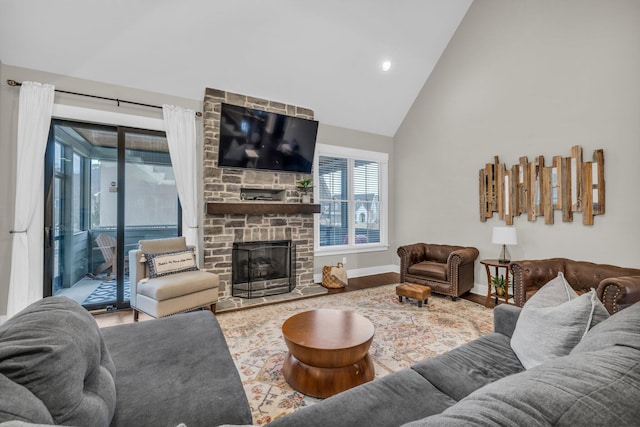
pixel 224 184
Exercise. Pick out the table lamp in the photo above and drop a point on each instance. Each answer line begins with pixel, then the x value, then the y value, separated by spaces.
pixel 504 236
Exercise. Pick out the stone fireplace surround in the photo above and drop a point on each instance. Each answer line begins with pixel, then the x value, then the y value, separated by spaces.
pixel 230 219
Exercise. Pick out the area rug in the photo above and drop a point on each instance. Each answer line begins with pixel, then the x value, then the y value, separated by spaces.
pixel 405 334
pixel 106 292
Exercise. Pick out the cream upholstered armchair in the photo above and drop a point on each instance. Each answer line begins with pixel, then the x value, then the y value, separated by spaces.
pixel 448 270
pixel 165 280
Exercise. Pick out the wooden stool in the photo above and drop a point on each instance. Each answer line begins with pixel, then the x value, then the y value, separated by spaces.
pixel 410 290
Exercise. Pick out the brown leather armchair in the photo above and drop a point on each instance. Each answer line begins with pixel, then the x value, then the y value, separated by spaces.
pixel 616 287
pixel 448 270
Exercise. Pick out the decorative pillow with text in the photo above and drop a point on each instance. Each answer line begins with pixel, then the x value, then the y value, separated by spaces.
pixel 163 264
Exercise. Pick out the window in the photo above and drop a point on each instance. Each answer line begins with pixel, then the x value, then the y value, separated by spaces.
pixel 351 188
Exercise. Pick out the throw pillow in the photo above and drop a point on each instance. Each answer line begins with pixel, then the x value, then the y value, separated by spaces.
pixel 621 329
pixel 163 264
pixel 553 322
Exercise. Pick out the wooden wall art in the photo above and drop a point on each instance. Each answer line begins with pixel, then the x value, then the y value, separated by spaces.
pixel 567 184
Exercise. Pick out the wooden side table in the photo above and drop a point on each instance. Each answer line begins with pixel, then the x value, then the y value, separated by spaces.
pixel 488 263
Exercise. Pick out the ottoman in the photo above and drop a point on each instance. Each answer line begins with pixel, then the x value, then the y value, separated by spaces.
pixel 411 290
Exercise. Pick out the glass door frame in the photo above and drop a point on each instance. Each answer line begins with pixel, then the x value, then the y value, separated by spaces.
pixel 49 180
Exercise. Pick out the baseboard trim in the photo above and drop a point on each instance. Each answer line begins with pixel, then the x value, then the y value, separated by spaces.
pixel 479 289
pixel 367 271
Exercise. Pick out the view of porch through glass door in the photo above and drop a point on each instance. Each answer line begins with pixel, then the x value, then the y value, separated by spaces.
pixel 107 188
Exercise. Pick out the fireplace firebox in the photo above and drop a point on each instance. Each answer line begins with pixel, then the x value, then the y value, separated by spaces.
pixel 263 268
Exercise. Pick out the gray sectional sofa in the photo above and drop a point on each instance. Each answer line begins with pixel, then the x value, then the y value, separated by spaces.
pixel 58 367
pixel 483 383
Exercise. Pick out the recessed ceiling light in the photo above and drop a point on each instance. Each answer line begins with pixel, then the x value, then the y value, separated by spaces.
pixel 386 65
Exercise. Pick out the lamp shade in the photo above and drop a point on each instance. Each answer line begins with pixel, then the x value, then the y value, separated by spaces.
pixel 504 236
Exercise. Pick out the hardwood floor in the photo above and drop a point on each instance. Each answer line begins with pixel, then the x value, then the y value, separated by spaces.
pixel 106 319
pixel 366 282
pixel 355 284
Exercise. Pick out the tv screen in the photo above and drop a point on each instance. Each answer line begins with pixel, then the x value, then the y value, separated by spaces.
pixel 256 139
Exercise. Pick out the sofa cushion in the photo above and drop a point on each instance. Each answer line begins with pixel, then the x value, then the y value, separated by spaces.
pixel 505 318
pixel 165 263
pixel 465 369
pixel 54 349
pixel 554 321
pixel 388 401
pixel 432 269
pixel 176 370
pixel 590 389
pixel 178 285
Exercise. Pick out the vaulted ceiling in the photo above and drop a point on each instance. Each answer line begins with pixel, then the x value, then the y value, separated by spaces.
pixel 324 55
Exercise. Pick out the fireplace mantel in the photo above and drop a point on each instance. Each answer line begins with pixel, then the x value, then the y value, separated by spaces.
pixel 261 208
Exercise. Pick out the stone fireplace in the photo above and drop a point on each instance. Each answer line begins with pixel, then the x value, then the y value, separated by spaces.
pixel 246 205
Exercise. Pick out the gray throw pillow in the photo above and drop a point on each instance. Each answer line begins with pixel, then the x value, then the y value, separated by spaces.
pixel 621 329
pixel 554 321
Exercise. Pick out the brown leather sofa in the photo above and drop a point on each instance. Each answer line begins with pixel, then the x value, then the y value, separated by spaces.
pixel 448 270
pixel 616 287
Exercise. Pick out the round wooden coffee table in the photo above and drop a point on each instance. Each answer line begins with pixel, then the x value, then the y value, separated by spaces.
pixel 328 351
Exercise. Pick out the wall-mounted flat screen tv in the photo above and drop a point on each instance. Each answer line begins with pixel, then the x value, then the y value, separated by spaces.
pixel 256 139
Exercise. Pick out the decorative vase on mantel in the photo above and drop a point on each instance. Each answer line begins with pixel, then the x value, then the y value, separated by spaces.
pixel 306 198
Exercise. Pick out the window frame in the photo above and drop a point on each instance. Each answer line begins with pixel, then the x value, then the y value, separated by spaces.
pixel 353 154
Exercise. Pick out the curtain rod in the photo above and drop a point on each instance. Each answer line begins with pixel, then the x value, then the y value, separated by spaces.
pixel 118 101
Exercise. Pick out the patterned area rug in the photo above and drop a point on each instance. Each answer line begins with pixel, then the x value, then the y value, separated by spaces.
pixel 405 334
pixel 107 292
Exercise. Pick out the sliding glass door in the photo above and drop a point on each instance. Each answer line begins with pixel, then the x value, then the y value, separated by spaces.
pixel 106 188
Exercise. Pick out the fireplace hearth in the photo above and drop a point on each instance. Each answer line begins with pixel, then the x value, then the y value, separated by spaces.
pixel 263 268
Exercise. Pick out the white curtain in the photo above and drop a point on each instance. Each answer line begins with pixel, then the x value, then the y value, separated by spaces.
pixel 34 119
pixel 180 125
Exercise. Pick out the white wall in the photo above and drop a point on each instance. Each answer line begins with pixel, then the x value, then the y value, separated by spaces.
pixel 526 78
